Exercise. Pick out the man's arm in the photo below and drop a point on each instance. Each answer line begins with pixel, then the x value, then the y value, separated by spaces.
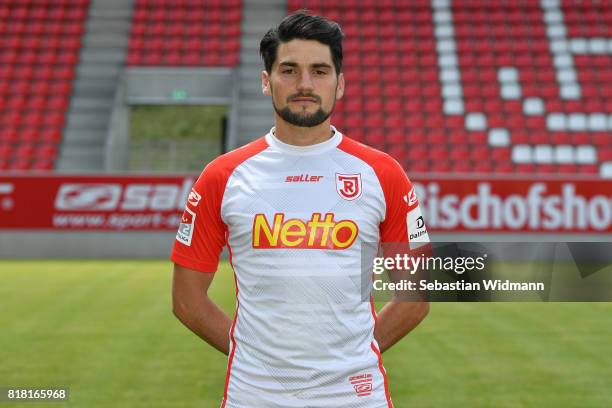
pixel 192 306
pixel 396 319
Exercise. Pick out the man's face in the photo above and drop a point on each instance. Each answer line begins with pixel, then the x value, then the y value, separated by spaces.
pixel 303 83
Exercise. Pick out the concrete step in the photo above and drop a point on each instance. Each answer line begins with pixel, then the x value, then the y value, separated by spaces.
pixel 83 149
pixel 260 11
pixel 103 40
pixel 83 102
pixel 82 158
pixel 251 58
pixel 248 45
pixel 94 88
pixel 256 31
pixel 251 75
pixel 103 55
pixel 251 91
pixel 251 87
pixel 99 71
pixel 108 25
pixel 254 5
pixel 100 4
pixel 105 110
pixel 91 120
pixel 110 12
pixel 88 137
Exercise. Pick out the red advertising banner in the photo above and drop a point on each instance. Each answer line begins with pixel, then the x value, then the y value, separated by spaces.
pixel 516 204
pixel 113 203
pixel 450 204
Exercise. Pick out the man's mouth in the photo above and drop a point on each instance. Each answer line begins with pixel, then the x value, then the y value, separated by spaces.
pixel 304 99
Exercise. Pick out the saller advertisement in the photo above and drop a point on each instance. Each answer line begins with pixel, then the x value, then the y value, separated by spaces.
pixel 449 204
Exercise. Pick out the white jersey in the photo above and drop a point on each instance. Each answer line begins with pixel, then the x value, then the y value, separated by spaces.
pixel 295 220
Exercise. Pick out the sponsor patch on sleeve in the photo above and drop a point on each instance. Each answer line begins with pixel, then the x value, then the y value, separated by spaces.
pixel 417 232
pixel 194 198
pixel 411 198
pixel 186 227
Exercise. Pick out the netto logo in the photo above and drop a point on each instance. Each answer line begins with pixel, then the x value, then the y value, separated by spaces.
pixel 317 233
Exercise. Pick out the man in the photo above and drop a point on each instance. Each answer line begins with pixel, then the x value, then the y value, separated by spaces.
pixel 295 208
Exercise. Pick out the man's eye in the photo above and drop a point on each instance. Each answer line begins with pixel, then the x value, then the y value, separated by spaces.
pixel 321 72
pixel 287 71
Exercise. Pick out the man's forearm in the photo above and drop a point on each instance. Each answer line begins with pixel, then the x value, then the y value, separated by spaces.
pixel 207 320
pixel 396 319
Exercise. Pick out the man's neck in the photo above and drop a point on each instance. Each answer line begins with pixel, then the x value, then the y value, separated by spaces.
pixel 302 136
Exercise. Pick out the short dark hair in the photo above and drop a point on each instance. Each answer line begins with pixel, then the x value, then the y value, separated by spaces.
pixel 305 26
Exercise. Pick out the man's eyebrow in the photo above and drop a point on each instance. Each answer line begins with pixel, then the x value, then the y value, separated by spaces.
pixel 315 65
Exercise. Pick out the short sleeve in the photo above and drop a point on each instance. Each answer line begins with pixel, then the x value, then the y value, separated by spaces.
pixel 201 234
pixel 403 218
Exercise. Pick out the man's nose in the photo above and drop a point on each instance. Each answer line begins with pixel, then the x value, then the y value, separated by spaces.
pixel 305 82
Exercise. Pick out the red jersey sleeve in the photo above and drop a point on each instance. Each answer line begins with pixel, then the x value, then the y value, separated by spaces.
pixel 403 222
pixel 403 219
pixel 202 233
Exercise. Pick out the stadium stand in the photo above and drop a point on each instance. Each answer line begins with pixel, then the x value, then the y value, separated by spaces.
pixel 473 86
pixel 40 41
pixel 443 86
pixel 185 33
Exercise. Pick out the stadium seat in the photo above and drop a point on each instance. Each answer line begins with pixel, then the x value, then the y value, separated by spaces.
pixel 437 66
pixel 159 29
pixel 39 51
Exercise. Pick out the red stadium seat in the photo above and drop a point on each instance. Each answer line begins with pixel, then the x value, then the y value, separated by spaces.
pixel 42 165
pixel 155 20
pixel 5 151
pixel 24 151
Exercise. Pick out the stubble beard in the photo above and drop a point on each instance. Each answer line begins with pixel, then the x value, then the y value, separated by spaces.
pixel 303 119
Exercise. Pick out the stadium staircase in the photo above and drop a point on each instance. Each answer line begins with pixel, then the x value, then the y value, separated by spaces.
pixel 101 59
pixel 255 109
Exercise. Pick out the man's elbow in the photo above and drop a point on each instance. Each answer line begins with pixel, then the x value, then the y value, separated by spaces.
pixel 423 310
pixel 179 309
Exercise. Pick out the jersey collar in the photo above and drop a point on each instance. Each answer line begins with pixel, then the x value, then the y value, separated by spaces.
pixel 318 148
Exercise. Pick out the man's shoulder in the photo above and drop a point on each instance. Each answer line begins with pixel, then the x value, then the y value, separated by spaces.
pixel 377 159
pixel 227 162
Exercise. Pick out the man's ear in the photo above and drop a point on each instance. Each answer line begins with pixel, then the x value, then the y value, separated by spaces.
pixel 265 83
pixel 340 87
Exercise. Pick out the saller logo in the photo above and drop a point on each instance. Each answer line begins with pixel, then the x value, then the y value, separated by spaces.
pixel 88 197
pixel 319 232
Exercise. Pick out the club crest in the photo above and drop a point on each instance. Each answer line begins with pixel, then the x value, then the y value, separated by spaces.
pixel 348 186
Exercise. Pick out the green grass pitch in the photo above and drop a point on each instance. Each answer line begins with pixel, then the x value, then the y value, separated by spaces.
pixel 105 330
